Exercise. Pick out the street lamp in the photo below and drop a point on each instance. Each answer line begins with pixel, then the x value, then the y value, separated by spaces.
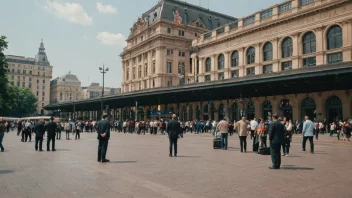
pixel 103 71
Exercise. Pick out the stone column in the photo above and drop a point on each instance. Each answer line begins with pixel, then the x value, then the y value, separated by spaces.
pixel 227 65
pixel 319 37
pixel 295 108
pixel 201 69
pixel 241 63
pixel 258 108
pixel 257 58
pixel 295 46
pixel 213 66
pixel 347 40
pixel 276 49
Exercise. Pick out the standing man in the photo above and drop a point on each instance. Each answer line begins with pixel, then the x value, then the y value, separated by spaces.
pixel 58 130
pixel 277 138
pixel 68 129
pixel 253 124
pixel 28 130
pixel 173 129
pixel 222 127
pixel 2 133
pixel 39 133
pixel 242 128
pixel 51 129
pixel 308 133
pixel 78 129
pixel 103 137
pixel 19 127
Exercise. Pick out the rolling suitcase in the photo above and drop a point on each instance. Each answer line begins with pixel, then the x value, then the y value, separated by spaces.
pixel 264 151
pixel 216 142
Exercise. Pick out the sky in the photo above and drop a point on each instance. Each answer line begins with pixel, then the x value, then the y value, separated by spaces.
pixel 82 35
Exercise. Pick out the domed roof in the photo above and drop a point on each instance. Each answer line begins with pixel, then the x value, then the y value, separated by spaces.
pixel 68 78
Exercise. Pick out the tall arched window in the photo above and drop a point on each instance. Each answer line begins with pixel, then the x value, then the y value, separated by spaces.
pixel 221 61
pixel 334 37
pixel 309 43
pixel 286 47
pixel 268 52
pixel 234 59
pixel 250 55
pixel 208 65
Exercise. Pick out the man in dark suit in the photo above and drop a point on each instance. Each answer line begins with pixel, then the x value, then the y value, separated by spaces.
pixel 51 129
pixel 173 129
pixel 277 138
pixel 103 137
pixel 39 133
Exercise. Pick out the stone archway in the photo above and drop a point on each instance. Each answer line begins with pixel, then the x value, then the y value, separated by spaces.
pixel 267 109
pixel 308 108
pixel 234 112
pixel 286 109
pixel 221 111
pixel 250 110
pixel 333 109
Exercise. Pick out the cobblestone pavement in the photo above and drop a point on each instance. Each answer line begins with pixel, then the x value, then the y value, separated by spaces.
pixel 140 167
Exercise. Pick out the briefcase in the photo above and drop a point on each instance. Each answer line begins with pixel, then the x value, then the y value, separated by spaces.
pixel 216 142
pixel 264 151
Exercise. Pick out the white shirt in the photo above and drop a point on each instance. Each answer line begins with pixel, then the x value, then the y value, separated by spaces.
pixel 28 124
pixel 253 124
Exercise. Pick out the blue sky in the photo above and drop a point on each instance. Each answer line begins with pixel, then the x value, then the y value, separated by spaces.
pixel 81 35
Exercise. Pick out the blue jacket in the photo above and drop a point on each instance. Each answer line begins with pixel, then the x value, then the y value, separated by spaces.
pixel 308 128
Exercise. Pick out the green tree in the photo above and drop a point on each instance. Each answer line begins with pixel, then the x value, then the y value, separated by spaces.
pixel 22 100
pixel 3 76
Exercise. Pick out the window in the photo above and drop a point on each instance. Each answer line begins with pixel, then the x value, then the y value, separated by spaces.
pixel 24 71
pixel 37 87
pixel 145 70
pixel 234 73
pixel 127 73
pixel 181 54
pixel 334 37
pixel 18 78
pixel 134 73
pixel 250 55
pixel 169 81
pixel 30 79
pixel 12 77
pixel 169 67
pixel 265 14
pixel 208 65
pixel 37 80
pixel 29 84
pixel 140 71
pixel 181 33
pixel 207 78
pixel 309 62
pixel 220 30
pixel 37 93
pixel 141 38
pixel 43 81
pixel 44 74
pixel 169 30
pixel 134 60
pixel 18 71
pixel 250 71
pixel 221 76
pixel 305 2
pixel 43 87
pixel 169 51
pixel 18 84
pixel 23 84
pixel 335 58
pixel 207 35
pixel 43 93
pixel 286 65
pixel 248 20
pixel 153 67
pixel 24 78
pixel 286 47
pixel 268 52
pixel 30 72
pixel 42 104
pixel 234 59
pixel 267 69
pixel 139 58
pixel 13 70
pixel 285 7
pixel 38 73
pixel 309 43
pixel 221 60
pixel 42 98
pixel 153 53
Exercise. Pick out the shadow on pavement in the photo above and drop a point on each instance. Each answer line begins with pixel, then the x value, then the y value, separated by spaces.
pixel 63 150
pixel 6 171
pixel 189 156
pixel 293 167
pixel 123 162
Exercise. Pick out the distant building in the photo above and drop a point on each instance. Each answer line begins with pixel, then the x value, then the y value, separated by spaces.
pixel 33 73
pixel 94 91
pixel 65 88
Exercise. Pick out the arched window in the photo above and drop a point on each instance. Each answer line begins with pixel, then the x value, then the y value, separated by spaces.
pixel 234 112
pixel 234 59
pixel 221 112
pixel 205 109
pixel 221 61
pixel 286 47
pixel 208 65
pixel 191 112
pixel 268 52
pixel 309 43
pixel 334 37
pixel 250 55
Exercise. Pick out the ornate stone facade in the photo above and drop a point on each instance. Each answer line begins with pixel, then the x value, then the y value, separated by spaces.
pixel 66 88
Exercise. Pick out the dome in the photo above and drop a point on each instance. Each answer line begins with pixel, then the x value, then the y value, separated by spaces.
pixel 68 78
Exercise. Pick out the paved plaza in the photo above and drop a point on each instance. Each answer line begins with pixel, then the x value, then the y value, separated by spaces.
pixel 140 167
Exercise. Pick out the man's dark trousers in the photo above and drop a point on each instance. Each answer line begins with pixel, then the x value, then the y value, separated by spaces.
pixel 275 155
pixel 243 143
pixel 173 141
pixel 23 134
pixel 102 148
pixel 39 138
pixel 78 134
pixel 51 137
pixel 28 135
pixel 252 134
pixel 58 134
pixel 311 143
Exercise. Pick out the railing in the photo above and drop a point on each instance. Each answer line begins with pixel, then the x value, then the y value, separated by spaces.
pixel 234 25
pixel 207 35
pixel 220 30
pixel 249 20
pixel 305 2
pixel 285 7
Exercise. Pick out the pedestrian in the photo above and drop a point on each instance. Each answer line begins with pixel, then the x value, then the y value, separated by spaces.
pixel 332 129
pixel 308 133
pixel 39 133
pixel 103 137
pixel 253 124
pixel 51 129
pixel 338 130
pixel 28 130
pixel 347 130
pixel 78 130
pixel 242 128
pixel 288 135
pixel 277 138
pixel 2 133
pixel 223 129
pixel 58 130
pixel 68 129
pixel 173 130
pixel 19 127
pixel 262 133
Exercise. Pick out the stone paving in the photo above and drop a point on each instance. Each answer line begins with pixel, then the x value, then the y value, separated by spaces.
pixel 140 167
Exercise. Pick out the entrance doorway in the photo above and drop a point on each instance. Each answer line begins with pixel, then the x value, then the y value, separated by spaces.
pixel 267 110
pixel 334 109
pixel 286 109
pixel 308 108
pixel 250 110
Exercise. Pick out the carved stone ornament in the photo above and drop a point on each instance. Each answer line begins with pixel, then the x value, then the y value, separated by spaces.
pixel 138 26
pixel 197 23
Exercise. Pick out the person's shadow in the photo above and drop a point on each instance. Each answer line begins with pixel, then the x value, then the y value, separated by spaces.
pixel 6 171
pixel 294 167
pixel 123 162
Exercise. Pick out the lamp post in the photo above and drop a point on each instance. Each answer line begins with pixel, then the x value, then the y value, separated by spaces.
pixel 103 71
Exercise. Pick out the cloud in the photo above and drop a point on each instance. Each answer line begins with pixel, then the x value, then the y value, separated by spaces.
pixel 73 12
pixel 108 38
pixel 108 9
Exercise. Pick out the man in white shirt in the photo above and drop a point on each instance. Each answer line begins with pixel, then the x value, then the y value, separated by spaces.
pixel 253 124
pixel 28 130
